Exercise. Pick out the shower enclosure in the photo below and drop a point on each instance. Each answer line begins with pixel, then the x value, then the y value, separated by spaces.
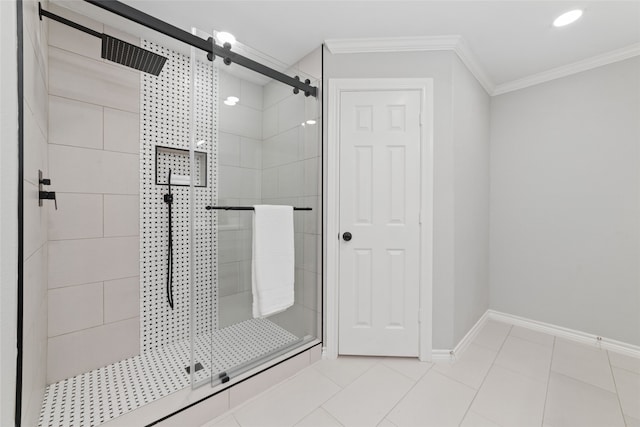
pixel 253 134
pixel 150 249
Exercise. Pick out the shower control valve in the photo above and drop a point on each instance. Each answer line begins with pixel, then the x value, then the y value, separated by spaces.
pixel 45 195
pixel 48 195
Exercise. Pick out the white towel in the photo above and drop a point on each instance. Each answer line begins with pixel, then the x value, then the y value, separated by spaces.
pixel 272 267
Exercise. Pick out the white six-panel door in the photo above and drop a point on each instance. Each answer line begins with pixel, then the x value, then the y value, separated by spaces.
pixel 379 146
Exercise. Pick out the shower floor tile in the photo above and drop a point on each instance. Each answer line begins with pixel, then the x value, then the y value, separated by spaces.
pixel 94 397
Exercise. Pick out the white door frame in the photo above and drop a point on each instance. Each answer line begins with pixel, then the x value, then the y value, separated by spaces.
pixel 336 87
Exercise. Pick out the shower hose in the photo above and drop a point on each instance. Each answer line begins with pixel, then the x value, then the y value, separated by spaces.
pixel 168 198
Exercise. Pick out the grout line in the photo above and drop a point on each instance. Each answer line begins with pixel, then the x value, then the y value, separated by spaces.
pixel 101 325
pixel 354 380
pixel 98 194
pixel 458 381
pixel 340 388
pixel 232 413
pixel 94 238
pixel 546 396
pixel 530 340
pixel 104 306
pixel 91 283
pixel 615 386
pixel 486 375
pixel 274 386
pixel 92 103
pixel 402 373
pixel 96 61
pixel 102 121
pixel 584 382
pixel 623 368
pixel 415 384
pixel 537 344
pixel 104 216
pixel 101 149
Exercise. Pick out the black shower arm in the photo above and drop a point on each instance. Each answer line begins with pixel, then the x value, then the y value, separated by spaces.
pixel 208 46
pixel 65 21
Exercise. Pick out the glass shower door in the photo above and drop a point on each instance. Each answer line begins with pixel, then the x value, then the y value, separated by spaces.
pixel 203 193
pixel 262 143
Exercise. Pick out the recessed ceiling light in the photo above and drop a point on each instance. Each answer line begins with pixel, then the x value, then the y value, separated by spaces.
pixel 567 18
pixel 224 37
pixel 229 103
pixel 311 122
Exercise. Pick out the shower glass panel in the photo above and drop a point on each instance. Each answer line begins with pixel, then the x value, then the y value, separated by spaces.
pixel 147 292
pixel 263 144
pixel 203 241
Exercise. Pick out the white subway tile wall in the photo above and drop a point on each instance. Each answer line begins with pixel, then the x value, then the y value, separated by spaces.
pixel 75 123
pixel 36 134
pixel 240 184
pixel 67 38
pixel 84 350
pixel 74 308
pixel 121 299
pixel 93 171
pixel 121 131
pixel 93 154
pixel 78 77
pixel 121 215
pixel 268 156
pixel 78 261
pixel 79 216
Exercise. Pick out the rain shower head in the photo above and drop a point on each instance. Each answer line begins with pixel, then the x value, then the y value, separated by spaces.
pixel 130 55
pixel 117 50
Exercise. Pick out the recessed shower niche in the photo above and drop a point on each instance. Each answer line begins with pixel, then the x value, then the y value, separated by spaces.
pixel 179 162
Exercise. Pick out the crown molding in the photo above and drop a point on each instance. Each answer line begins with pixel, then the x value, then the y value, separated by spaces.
pixel 469 59
pixel 453 43
pixel 567 70
pixel 458 45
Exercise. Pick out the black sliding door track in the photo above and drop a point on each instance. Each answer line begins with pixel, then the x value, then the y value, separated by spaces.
pixel 208 46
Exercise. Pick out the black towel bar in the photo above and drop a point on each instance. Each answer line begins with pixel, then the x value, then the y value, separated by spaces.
pixel 246 208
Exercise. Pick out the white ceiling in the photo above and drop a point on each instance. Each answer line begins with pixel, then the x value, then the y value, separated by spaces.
pixel 510 39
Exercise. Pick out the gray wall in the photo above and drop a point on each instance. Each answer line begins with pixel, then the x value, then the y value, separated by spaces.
pixel 471 199
pixel 453 267
pixel 565 222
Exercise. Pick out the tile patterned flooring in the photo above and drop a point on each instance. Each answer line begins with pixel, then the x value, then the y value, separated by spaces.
pixel 95 397
pixel 508 377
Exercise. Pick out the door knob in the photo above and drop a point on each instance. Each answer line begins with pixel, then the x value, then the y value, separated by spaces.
pixel 346 236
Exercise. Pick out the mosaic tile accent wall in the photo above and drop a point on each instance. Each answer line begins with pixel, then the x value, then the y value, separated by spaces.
pixel 165 122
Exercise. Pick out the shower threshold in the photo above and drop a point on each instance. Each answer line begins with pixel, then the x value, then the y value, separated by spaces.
pixel 95 397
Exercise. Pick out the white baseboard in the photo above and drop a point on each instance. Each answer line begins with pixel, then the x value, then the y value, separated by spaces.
pixel 464 342
pixel 558 331
pixel 566 333
pixel 441 355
